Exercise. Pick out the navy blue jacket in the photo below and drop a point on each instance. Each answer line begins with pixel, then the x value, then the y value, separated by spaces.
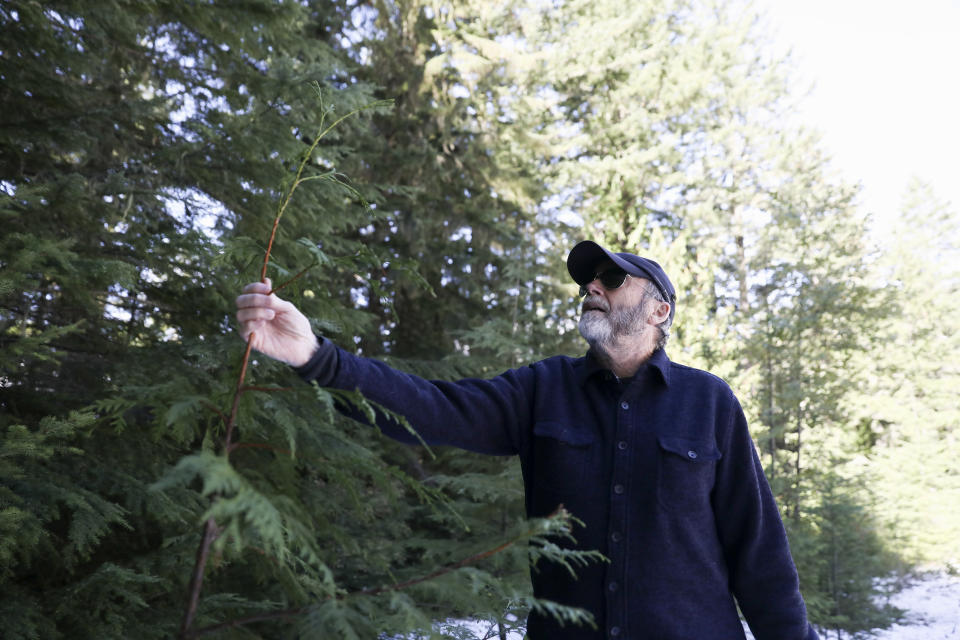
pixel 660 468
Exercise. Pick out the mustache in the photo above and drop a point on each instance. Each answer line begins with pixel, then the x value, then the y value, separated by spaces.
pixel 594 302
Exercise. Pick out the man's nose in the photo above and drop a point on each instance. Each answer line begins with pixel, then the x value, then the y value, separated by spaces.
pixel 594 288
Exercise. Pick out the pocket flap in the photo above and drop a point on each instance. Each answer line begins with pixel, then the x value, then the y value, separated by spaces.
pixel 576 436
pixel 692 450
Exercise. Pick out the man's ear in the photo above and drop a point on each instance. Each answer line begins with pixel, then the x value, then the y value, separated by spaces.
pixel 661 311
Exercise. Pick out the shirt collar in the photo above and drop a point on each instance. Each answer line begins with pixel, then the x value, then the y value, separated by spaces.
pixel 590 365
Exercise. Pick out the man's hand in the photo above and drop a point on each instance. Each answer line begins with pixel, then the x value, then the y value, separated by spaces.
pixel 280 330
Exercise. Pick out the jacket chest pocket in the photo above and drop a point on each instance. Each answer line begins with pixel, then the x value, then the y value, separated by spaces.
pixel 685 474
pixel 563 455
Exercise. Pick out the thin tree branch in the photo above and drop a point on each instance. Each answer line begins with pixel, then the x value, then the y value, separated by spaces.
pixel 294 278
pixel 196 580
pixel 210 527
pixel 232 421
pixel 215 409
pixel 210 530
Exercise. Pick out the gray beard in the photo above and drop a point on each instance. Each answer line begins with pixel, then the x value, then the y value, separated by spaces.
pixel 602 330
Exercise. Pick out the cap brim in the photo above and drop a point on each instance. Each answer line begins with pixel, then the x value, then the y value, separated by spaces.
pixel 586 255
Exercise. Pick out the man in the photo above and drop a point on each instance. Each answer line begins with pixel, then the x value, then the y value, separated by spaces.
pixel 654 457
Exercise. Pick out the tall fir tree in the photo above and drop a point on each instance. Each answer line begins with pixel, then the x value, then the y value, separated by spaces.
pixel 908 417
pixel 120 135
pixel 145 149
pixel 145 153
pixel 455 200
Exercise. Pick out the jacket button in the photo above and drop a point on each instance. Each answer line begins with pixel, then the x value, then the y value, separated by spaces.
pixel 616 536
pixel 624 405
pixel 622 445
pixel 614 631
pixel 618 488
pixel 613 586
pixel 692 454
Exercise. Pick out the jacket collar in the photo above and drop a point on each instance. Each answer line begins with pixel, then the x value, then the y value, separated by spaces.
pixel 589 366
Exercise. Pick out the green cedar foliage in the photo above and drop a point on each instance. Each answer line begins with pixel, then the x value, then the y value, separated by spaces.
pixel 118 142
pixel 455 201
pixel 145 151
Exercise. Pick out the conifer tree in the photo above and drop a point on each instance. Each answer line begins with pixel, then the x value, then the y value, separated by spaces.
pixel 908 414
pixel 119 273
pixel 120 135
pixel 457 202
pixel 144 151
pixel 842 554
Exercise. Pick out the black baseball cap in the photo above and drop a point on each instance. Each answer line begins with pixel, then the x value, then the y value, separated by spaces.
pixel 586 255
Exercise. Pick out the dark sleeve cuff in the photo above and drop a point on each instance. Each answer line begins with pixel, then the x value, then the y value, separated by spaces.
pixel 322 367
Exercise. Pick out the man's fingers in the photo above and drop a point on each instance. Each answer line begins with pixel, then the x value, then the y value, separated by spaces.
pixel 258 294
pixel 283 306
pixel 258 287
pixel 252 300
pixel 246 328
pixel 258 300
pixel 255 314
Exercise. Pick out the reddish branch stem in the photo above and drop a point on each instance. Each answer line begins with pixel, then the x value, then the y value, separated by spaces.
pixel 266 257
pixel 196 580
pixel 237 394
pixel 210 531
pixel 294 278
pixel 210 527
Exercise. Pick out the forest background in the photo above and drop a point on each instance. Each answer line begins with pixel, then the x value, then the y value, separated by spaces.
pixel 145 147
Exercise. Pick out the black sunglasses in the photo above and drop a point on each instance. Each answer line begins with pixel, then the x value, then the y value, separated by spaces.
pixel 612 278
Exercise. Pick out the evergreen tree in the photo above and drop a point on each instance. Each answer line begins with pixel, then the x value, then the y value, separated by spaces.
pixel 908 414
pixel 841 554
pixel 146 149
pixel 144 152
pixel 457 201
pixel 122 128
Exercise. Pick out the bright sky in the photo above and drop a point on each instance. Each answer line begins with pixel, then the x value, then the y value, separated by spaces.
pixel 886 90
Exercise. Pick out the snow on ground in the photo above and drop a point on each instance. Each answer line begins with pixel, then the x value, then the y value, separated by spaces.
pixel 932 606
pixel 933 610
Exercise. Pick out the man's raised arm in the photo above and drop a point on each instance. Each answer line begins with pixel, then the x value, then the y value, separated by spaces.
pixel 488 416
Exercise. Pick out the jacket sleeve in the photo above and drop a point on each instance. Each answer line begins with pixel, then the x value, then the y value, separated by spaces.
pixel 486 416
pixel 763 576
